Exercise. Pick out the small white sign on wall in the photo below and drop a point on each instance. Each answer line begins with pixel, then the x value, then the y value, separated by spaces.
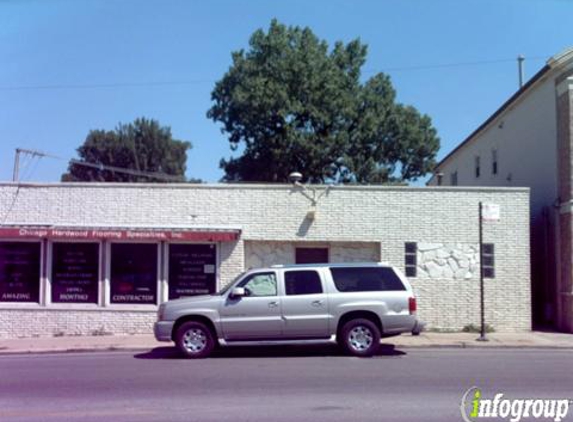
pixel 490 212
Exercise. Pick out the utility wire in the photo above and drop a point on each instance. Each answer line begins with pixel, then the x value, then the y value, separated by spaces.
pixel 459 64
pixel 124 170
pixel 30 155
pixel 103 85
pixel 31 167
pixel 204 81
pixel 102 167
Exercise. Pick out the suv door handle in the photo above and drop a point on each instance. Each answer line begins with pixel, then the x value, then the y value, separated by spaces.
pixel 273 304
pixel 317 303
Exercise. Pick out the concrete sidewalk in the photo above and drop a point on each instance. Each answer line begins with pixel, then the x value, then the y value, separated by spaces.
pixel 535 339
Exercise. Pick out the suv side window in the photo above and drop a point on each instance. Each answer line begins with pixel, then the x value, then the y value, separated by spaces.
pixel 366 279
pixel 302 283
pixel 261 284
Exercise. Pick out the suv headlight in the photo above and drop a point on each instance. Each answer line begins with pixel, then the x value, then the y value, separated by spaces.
pixel 161 312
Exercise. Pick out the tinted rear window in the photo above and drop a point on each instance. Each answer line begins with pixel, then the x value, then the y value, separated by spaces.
pixel 302 283
pixel 356 279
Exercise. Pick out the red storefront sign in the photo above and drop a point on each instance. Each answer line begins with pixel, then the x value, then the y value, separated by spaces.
pixel 119 234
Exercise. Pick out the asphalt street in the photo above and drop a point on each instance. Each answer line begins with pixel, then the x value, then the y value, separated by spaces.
pixel 272 384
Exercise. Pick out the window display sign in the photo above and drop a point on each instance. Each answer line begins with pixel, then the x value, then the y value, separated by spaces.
pixel 191 270
pixel 75 272
pixel 134 273
pixel 19 272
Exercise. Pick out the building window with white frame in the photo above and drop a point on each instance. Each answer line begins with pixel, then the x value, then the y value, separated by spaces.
pixel 192 269
pixel 134 273
pixel 75 272
pixel 20 271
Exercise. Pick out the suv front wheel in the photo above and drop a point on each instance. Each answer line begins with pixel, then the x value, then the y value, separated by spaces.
pixel 360 337
pixel 194 340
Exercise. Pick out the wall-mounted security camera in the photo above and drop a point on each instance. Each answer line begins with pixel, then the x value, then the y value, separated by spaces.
pixel 295 177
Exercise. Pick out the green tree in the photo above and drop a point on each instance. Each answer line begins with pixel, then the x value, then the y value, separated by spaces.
pixel 292 104
pixel 143 146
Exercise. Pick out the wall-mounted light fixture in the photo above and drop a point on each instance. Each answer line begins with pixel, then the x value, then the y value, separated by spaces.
pixel 311 193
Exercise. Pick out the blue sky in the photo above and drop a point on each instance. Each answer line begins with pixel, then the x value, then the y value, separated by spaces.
pixel 67 65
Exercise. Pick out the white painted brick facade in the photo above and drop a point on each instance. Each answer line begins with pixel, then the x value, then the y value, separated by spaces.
pixel 375 221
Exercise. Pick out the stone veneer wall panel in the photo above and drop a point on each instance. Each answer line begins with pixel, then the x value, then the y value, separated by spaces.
pixel 264 254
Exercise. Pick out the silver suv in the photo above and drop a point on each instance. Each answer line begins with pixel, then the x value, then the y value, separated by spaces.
pixel 352 304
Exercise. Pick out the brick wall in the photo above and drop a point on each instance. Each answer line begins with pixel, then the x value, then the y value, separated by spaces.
pixel 384 217
pixel 16 323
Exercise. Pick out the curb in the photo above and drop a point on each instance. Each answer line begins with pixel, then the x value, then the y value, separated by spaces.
pixel 74 350
pixel 111 348
pixel 491 346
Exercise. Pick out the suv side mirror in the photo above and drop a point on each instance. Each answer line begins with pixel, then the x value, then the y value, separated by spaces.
pixel 237 292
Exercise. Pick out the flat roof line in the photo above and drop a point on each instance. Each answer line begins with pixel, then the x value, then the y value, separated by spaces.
pixel 286 187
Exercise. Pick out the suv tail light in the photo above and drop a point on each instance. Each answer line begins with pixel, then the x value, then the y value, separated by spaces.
pixel 412 306
pixel 161 312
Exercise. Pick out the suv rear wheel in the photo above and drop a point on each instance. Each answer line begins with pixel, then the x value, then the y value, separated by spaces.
pixel 194 340
pixel 360 337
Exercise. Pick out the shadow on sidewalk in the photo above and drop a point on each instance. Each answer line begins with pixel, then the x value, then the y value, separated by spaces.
pixel 386 350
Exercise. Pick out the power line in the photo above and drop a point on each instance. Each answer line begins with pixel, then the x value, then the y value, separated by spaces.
pixel 30 155
pixel 98 166
pixel 155 175
pixel 103 85
pixel 112 85
pixel 31 167
pixel 459 64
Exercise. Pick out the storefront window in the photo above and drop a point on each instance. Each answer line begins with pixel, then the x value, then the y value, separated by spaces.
pixel 19 271
pixel 134 273
pixel 75 272
pixel 191 269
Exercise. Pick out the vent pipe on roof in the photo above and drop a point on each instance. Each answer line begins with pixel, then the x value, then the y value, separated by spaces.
pixel 520 60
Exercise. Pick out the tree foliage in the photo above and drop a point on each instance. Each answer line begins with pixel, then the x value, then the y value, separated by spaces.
pixel 293 104
pixel 143 146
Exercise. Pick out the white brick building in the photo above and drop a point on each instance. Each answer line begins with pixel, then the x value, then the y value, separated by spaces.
pixel 80 259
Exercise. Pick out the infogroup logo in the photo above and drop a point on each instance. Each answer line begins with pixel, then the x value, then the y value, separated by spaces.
pixel 475 407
